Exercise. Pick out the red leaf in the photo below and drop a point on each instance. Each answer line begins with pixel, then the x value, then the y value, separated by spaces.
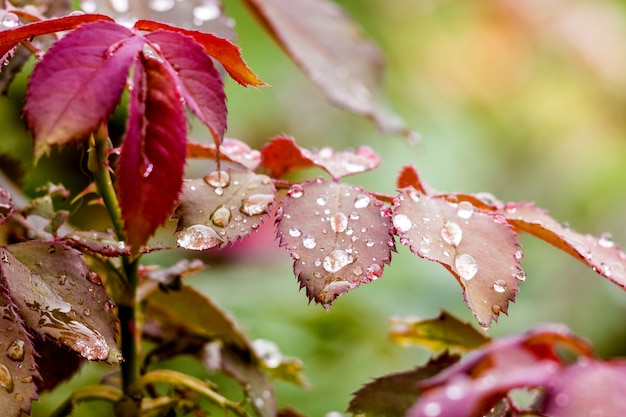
pixel 338 236
pixel 152 158
pixel 282 155
pixel 410 178
pixel 465 241
pixel 87 71
pixel 601 254
pixel 231 150
pixel 12 37
pixel 333 52
pixel 228 54
pixel 588 388
pixel 196 78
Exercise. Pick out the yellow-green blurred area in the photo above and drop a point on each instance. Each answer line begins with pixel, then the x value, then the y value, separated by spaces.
pixel 522 99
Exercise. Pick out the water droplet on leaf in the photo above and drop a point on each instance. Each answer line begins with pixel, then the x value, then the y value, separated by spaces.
pixel 432 409
pixel 221 216
pixel 198 237
pixel 339 222
pixel 521 276
pixel 257 204
pixel 309 242
pixel 15 351
pixel 321 200
pixel 337 260
pixel 606 240
pixel 6 379
pixel 161 5
pixel 500 285
pixel 466 266
pixel 217 179
pixel 374 272
pixel 206 11
pixel 295 191
pixel 361 201
pixel 10 20
pixel 451 233
pixel 455 392
pixel 465 210
pixel 496 309
pixel 402 223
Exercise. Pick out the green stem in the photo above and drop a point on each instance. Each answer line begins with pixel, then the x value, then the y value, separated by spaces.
pixel 96 392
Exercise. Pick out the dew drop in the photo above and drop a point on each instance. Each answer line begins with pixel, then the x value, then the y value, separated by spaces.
pixel 309 242
pixel 374 271
pixel 119 6
pixel 521 276
pixel 295 191
pixel 321 200
pixel 206 11
pixel 295 232
pixel 15 351
pixel 369 243
pixel 161 5
pixel 519 255
pixel 295 255
pixel 219 191
pixel 221 216
pixel 451 233
pixel 6 379
pixel 357 271
pixel 87 312
pixel 89 6
pixel 337 259
pixel 217 179
pixel 109 305
pixel 466 266
pixel 10 20
pixel 198 237
pixel 414 195
pixel 317 262
pixel 402 223
pixel 606 240
pixel 148 170
pixel 339 222
pixel 500 285
pixel 432 409
pixel 354 216
pixel 465 210
pixel 257 204
pixel 455 392
pixel 94 278
pixel 361 201
pixel 496 309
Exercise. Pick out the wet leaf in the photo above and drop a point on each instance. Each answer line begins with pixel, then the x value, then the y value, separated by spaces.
pixel 6 206
pixel 54 372
pixel 443 332
pixel 102 243
pixel 18 369
pixel 333 52
pixel 59 298
pixel 221 208
pixel 588 388
pixel 282 155
pixel 600 253
pixel 197 80
pixel 152 159
pixel 338 236
pixel 464 240
pixel 88 70
pixel 227 53
pixel 231 150
pixel 392 395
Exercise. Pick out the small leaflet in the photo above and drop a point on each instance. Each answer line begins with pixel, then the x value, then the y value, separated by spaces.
pixel 231 150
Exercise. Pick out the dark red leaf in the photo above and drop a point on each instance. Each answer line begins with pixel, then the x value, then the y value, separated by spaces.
pixel 196 78
pixel 87 72
pixel 409 177
pixel 227 53
pixel 282 155
pixel 464 240
pixel 12 37
pixel 102 243
pixel 222 207
pixel 60 299
pixel 54 372
pixel 152 158
pixel 588 388
pixel 337 234
pixel 231 150
pixel 333 52
pixel 6 205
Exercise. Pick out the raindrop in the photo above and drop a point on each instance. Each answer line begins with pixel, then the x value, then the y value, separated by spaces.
pixel 500 285
pixel 455 392
pixel 361 201
pixel 62 279
pixel 415 196
pixel 120 6
pixel 519 255
pixel 321 200
pixel 109 305
pixel 221 216
pixel 317 262
pixel 161 5
pixel 198 237
pixel 451 233
pixel 258 402
pixel 465 210
pixel 15 351
pixel 466 266
pixel 219 191
pixel 6 380
pixel 339 222
pixel 432 409
pixel 374 272
pixel 257 204
pixel 337 259
pixel 295 255
pixel 206 11
pixel 77 13
pixel 94 278
pixel 87 312
pixel 295 191
pixel 354 216
pixel 606 240
pixel 369 243
pixel 357 270
pixel 309 242
pixel 10 20
pixel 89 6
pixel 148 170
pixel 268 352
pixel 295 232
pixel 521 276
pixel 217 179
pixel 496 309
pixel 402 223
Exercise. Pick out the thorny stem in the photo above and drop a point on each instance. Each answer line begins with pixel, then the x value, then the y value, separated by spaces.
pixel 127 312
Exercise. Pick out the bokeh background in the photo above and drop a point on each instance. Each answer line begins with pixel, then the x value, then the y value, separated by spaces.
pixel 525 100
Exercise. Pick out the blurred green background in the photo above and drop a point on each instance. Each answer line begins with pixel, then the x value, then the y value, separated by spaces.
pixel 525 100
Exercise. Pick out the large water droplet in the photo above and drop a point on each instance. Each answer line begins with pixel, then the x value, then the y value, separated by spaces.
pixel 500 285
pixel 432 409
pixel 451 233
pixel 207 11
pixel 402 223
pixel 6 379
pixel 221 216
pixel 89 6
pixel 295 232
pixel 337 259
pixel 309 242
pixel 521 276
pixel 161 5
pixel 295 191
pixel 361 201
pixel 374 272
pixel 606 240
pixel 10 20
pixel 465 210
pixel 198 237
pixel 257 204
pixel 217 179
pixel 455 392
pixel 15 351
pixel 466 266
pixel 321 200
pixel 339 222
pixel 120 6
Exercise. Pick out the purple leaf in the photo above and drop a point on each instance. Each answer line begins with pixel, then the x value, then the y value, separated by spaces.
pixel 196 78
pixel 152 159
pixel 86 70
pixel 338 236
